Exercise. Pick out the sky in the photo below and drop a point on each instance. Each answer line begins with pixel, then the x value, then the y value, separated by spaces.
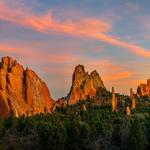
pixel 53 36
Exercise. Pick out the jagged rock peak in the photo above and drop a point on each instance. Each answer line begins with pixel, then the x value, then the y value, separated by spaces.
pixel 83 85
pixel 79 68
pixel 7 63
pixel 78 73
pixel 22 92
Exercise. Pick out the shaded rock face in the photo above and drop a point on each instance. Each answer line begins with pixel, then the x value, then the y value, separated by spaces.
pixel 144 89
pixel 22 92
pixel 83 85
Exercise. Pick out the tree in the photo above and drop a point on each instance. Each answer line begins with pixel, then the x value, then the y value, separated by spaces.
pixel 137 138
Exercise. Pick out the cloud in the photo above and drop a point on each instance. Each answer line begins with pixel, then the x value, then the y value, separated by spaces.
pixel 86 27
pixel 116 41
pixel 144 22
pixel 64 60
pixel 119 76
pixel 110 70
pixel 27 53
pixel 61 67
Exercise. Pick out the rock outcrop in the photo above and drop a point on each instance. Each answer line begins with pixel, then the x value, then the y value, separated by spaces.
pixel 83 85
pixel 84 107
pixel 128 111
pixel 144 89
pixel 22 92
pixel 114 101
pixel 59 104
pixel 132 97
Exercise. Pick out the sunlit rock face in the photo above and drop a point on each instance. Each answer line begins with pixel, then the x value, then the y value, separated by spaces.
pixel 114 101
pixel 22 92
pixel 144 89
pixel 83 85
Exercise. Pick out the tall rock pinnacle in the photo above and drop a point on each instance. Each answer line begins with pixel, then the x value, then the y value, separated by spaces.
pixel 114 101
pixel 22 92
pixel 83 85
pixel 133 101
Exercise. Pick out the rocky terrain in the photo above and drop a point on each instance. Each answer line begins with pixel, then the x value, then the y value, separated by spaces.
pixel 89 117
pixel 22 92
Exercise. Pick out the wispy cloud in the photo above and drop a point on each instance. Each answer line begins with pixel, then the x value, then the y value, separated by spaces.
pixel 86 27
pixel 44 57
pixel 110 70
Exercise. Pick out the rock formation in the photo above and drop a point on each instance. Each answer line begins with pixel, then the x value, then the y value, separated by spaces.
pixel 84 107
pixel 128 112
pixel 22 92
pixel 144 89
pixel 114 101
pixel 59 103
pixel 133 101
pixel 83 85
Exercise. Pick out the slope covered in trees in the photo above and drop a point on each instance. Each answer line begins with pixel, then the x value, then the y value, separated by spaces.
pixel 74 128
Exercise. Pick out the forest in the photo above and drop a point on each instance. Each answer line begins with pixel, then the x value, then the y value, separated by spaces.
pixel 73 128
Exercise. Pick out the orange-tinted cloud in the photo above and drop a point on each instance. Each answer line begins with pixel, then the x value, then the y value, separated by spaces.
pixel 118 42
pixel 109 70
pixel 119 76
pixel 44 57
pixel 91 28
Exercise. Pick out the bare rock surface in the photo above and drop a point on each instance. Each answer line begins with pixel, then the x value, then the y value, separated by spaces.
pixel 22 92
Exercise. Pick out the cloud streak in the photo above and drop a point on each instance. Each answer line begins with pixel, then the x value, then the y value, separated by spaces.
pixel 87 27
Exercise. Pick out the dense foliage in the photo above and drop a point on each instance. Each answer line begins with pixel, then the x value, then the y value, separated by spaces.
pixel 74 129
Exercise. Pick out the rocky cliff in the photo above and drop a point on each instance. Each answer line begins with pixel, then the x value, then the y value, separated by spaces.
pixel 22 92
pixel 83 85
pixel 144 89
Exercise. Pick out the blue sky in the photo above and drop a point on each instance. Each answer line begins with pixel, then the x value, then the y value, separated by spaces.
pixel 52 37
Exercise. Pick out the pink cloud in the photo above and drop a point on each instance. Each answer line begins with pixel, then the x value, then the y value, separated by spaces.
pixel 112 74
pixel 44 57
pixel 87 27
pixel 118 76
pixel 110 70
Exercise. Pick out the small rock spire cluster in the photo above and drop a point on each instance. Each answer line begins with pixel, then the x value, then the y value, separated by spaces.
pixel 133 103
pixel 115 103
pixel 144 89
